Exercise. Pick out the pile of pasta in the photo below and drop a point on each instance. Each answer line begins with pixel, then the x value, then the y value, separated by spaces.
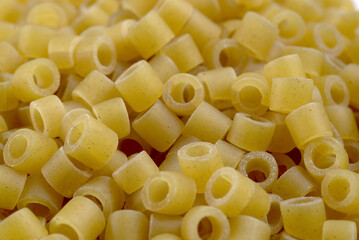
pixel 179 119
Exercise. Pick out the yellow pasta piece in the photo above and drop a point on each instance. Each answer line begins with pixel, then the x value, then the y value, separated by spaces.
pixel 209 8
pixel 116 161
pixel 218 222
pixel 159 127
pixel 257 45
pixel 199 160
pixel 134 202
pixel 170 193
pixel 93 16
pixel 47 14
pixel 207 124
pixel 61 50
pixel 40 197
pixel 339 229
pixel 249 228
pixel 113 113
pixel 27 150
pixel 10 58
pixel 91 142
pixel 294 183
pixel 46 115
pixel 133 174
pixel 307 123
pixel 230 154
pixel 21 225
pixel 71 82
pixel 166 236
pixel 3 125
pixel 274 217
pixel 303 217
pixel 157 33
pixel 93 31
pixel 175 13
pixel 11 11
pixel 35 79
pixel 80 218
pixel 8 30
pixel 121 15
pixel 95 53
pixel 164 66
pixel 175 90
pixel 343 120
pixel 139 7
pixel 261 162
pixel 55 236
pixel 323 154
pixel 139 86
pixel 127 224
pixel 352 148
pixel 104 192
pixel 348 74
pixel 8 100
pixel 309 10
pixel 69 119
pixel 65 174
pixel 328 39
pixel 161 224
pixel 245 130
pixel 333 89
pixel 107 5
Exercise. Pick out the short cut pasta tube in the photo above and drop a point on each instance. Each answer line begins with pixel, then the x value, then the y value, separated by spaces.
pixel 80 218
pixel 8 100
pixel 163 66
pixel 249 228
pixel 348 75
pixel 35 79
pixel 55 236
pixel 161 224
pixel 47 14
pixel 193 218
pixel 333 89
pixel 274 217
pixel 69 119
pixel 62 50
pixel 10 58
pixel 328 39
pixel 27 150
pixel 352 148
pixel 231 155
pixel 339 229
pixel 170 193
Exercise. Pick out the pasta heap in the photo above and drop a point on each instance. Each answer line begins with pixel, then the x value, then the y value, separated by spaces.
pixel 179 119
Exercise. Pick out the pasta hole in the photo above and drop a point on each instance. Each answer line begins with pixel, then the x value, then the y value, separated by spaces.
pixel 182 93
pixel 257 176
pixel 197 151
pixel 339 188
pixel 337 92
pixel 17 146
pixel 39 122
pixel 323 157
pixel 95 200
pixel 353 152
pixel 76 133
pixel 286 30
pixel 231 57
pixel 204 228
pixel 104 54
pixel 274 214
pixel 158 190
pixel 257 169
pixel 188 93
pixel 328 37
pixel 250 97
pixel 67 231
pixel 221 186
pixel 43 77
pixel 39 209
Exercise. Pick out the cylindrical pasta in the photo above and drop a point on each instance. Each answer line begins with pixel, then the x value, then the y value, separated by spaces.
pixel 348 75
pixel 231 155
pixel 218 222
pixel 80 218
pixel 55 236
pixel 343 120
pixel 161 224
pixel 352 148
pixel 35 79
pixel 328 39
pixel 333 89
pixel 274 217
pixel 139 7
pixel 69 119
pixel 116 161
pixel 169 193
pixel 62 50
pixel 47 14
pixel 93 16
pixel 8 100
pixel 249 228
pixel 10 58
pixel 175 90
pixel 339 229
pixel 164 66
pixel 199 160
pixel 166 236
pixel 27 150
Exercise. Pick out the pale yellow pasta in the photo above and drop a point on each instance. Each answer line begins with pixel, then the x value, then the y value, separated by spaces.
pixel 339 191
pixel 309 10
pixel 79 219
pixel 127 224
pixel 295 182
pixel 323 154
pixel 104 192
pixel 207 124
pixel 261 167
pixel 159 127
pixel 303 217
pixel 274 217
pixel 352 148
pixel 95 88
pixel 95 53
pixel 55 236
pixel 218 223
pixel 182 93
pixel 139 86
pixel 8 30
pixel 107 5
pixel 121 15
pixel 291 26
pixel 34 40
pixel 209 8
pixel 150 34
pixel 22 224
pixel 348 74
pixel 12 183
pixel 65 174
pixel 343 120
pixel 164 66
pixel 231 155
pixel 139 7
pixel 116 161
pixel 258 45
pixel 317 96
pixel 11 11
pixel 46 115
pixel 199 160
pixel 201 29
pixel 134 202
pixel 47 14
pixel 229 27
pixel 339 230
pixel 166 236
pixel 219 92
pixel 285 236
pixel 171 193
pixel 10 58
pixel 289 66
pixel 249 228
pixel 133 174
pixel 35 79
pixel 3 125
pixel 71 82
pixel 119 34
pixel 161 224
pixel 8 100
pixel 61 50
pixel 113 113
pixel 69 119
pixel 93 31
pixel 307 123
pixel 332 65
pixel 27 150
pixel 94 15
pixel 72 104
pixel 333 89
pixel 90 142
pixel 245 130
pixel 175 13
pixel 40 197
pixel 225 52
pixel 184 52
pixel 328 39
